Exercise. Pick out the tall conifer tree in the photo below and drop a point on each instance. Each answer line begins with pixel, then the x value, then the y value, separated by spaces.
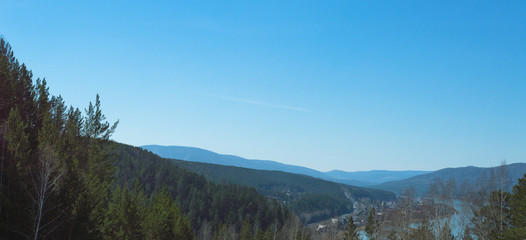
pixel 351 232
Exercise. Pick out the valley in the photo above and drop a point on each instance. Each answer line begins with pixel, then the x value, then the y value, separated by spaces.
pixel 262 120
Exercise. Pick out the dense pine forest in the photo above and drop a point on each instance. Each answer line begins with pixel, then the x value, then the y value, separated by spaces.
pixel 57 178
pixel 63 178
pixel 206 204
pixel 311 199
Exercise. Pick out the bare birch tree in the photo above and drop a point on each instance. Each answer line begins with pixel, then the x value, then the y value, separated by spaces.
pixel 45 179
pixel 465 211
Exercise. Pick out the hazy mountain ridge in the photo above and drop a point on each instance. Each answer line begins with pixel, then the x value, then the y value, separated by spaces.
pixel 460 175
pixel 394 181
pixel 205 156
pixel 360 178
pixel 374 176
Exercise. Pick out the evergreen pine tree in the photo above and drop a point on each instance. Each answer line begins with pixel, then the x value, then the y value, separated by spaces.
pixel 42 101
pixel 371 228
pixel 92 171
pixel 126 214
pixel 351 231
pixel 487 222
pixel 517 212
pixel 18 143
pixel 164 219
pixel 16 202
pixel 8 67
pixel 246 230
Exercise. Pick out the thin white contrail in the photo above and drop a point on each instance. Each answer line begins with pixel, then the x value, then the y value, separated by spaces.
pixel 260 103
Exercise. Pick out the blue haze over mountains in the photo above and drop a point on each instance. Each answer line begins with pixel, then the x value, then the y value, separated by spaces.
pixel 359 178
pixel 472 176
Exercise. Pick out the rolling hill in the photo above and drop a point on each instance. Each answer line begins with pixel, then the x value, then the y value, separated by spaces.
pixel 374 176
pixel 203 201
pixel 460 175
pixel 361 178
pixel 201 155
pixel 310 198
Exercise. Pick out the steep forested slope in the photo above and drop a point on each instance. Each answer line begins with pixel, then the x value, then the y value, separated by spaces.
pixel 204 202
pixel 311 198
pixel 61 177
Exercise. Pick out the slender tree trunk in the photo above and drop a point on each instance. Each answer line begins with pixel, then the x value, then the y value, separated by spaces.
pixel 45 182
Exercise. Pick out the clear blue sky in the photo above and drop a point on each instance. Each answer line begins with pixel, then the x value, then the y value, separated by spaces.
pixel 350 85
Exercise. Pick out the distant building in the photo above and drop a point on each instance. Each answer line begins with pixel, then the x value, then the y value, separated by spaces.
pixel 320 226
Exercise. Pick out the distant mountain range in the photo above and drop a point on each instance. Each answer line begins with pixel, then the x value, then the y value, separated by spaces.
pixel 360 178
pixel 470 175
pixel 374 176
pixel 395 181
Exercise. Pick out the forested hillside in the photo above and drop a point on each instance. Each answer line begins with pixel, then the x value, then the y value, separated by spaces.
pixel 359 178
pixel 61 177
pixel 310 198
pixel 56 177
pixel 206 204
